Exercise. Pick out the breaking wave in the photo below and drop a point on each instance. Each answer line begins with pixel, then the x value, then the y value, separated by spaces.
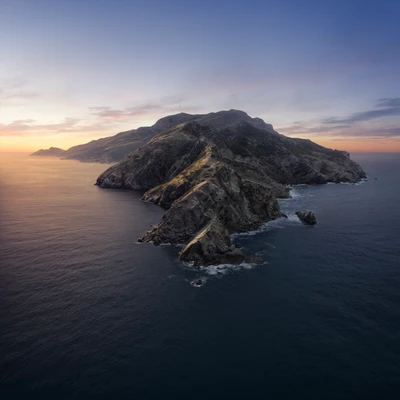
pixel 294 194
pixel 224 269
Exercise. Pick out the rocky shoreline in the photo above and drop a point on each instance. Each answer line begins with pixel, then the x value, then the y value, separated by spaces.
pixel 221 174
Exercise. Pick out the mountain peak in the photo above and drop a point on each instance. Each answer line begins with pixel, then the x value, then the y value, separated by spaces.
pixel 222 119
pixel 114 148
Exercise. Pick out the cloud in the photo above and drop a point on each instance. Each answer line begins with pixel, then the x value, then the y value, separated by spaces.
pixel 17 95
pixel 108 119
pixel 108 112
pixel 350 126
pixel 389 102
pixel 163 105
pixel 309 127
pixel 23 121
pixel 340 130
pixel 387 107
pixel 389 132
pixel 27 127
pixel 381 132
pixel 14 89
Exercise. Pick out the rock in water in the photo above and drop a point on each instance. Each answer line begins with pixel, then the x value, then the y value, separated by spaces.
pixel 308 217
pixel 197 283
pixel 220 174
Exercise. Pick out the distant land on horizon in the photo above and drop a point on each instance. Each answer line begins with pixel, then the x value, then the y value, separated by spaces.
pixel 51 152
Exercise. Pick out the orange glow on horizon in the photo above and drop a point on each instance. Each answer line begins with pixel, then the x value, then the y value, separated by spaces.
pixel 369 145
pixel 366 145
pixel 19 144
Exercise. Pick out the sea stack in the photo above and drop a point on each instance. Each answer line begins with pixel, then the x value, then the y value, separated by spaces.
pixel 308 217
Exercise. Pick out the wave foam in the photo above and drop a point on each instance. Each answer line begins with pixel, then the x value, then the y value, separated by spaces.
pixel 224 269
pixel 293 218
pixel 362 181
pixel 294 194
pixel 279 223
pixel 195 283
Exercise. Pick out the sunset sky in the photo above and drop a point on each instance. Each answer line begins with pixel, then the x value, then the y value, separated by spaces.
pixel 73 71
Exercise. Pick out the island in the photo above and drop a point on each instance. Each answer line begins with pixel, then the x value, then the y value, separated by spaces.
pixel 51 152
pixel 219 174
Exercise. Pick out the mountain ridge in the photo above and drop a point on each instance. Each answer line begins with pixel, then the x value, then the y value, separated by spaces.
pixel 113 148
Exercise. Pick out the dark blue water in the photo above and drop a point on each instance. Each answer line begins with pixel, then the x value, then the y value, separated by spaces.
pixel 85 313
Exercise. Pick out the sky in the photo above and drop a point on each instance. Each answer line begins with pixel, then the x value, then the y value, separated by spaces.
pixel 77 70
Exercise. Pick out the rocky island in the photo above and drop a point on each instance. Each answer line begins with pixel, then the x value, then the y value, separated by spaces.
pixel 51 152
pixel 308 217
pixel 218 174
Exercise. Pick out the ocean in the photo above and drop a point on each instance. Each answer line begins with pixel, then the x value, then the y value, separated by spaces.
pixel 87 313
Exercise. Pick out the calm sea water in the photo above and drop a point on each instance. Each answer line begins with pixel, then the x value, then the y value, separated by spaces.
pixel 85 313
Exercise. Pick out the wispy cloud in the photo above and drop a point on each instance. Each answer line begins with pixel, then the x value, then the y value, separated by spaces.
pixel 389 102
pixel 306 128
pixel 139 111
pixel 310 127
pixel 162 105
pixel 28 127
pixel 351 125
pixel 15 89
pixel 107 119
pixel 384 108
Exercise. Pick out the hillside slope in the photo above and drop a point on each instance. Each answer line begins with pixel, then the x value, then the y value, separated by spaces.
pixel 114 148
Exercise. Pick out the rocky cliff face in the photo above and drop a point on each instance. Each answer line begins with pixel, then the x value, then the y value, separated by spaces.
pixel 219 174
pixel 51 152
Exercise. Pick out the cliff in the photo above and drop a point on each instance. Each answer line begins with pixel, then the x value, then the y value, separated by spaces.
pixel 220 174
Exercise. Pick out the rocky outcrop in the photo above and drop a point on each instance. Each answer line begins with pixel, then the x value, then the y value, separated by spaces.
pixel 220 174
pixel 197 283
pixel 308 217
pixel 212 246
pixel 51 152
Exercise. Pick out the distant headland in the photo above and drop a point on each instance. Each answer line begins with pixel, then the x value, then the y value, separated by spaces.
pixel 51 152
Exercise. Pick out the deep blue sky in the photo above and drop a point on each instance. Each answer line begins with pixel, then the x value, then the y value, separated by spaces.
pixel 71 71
